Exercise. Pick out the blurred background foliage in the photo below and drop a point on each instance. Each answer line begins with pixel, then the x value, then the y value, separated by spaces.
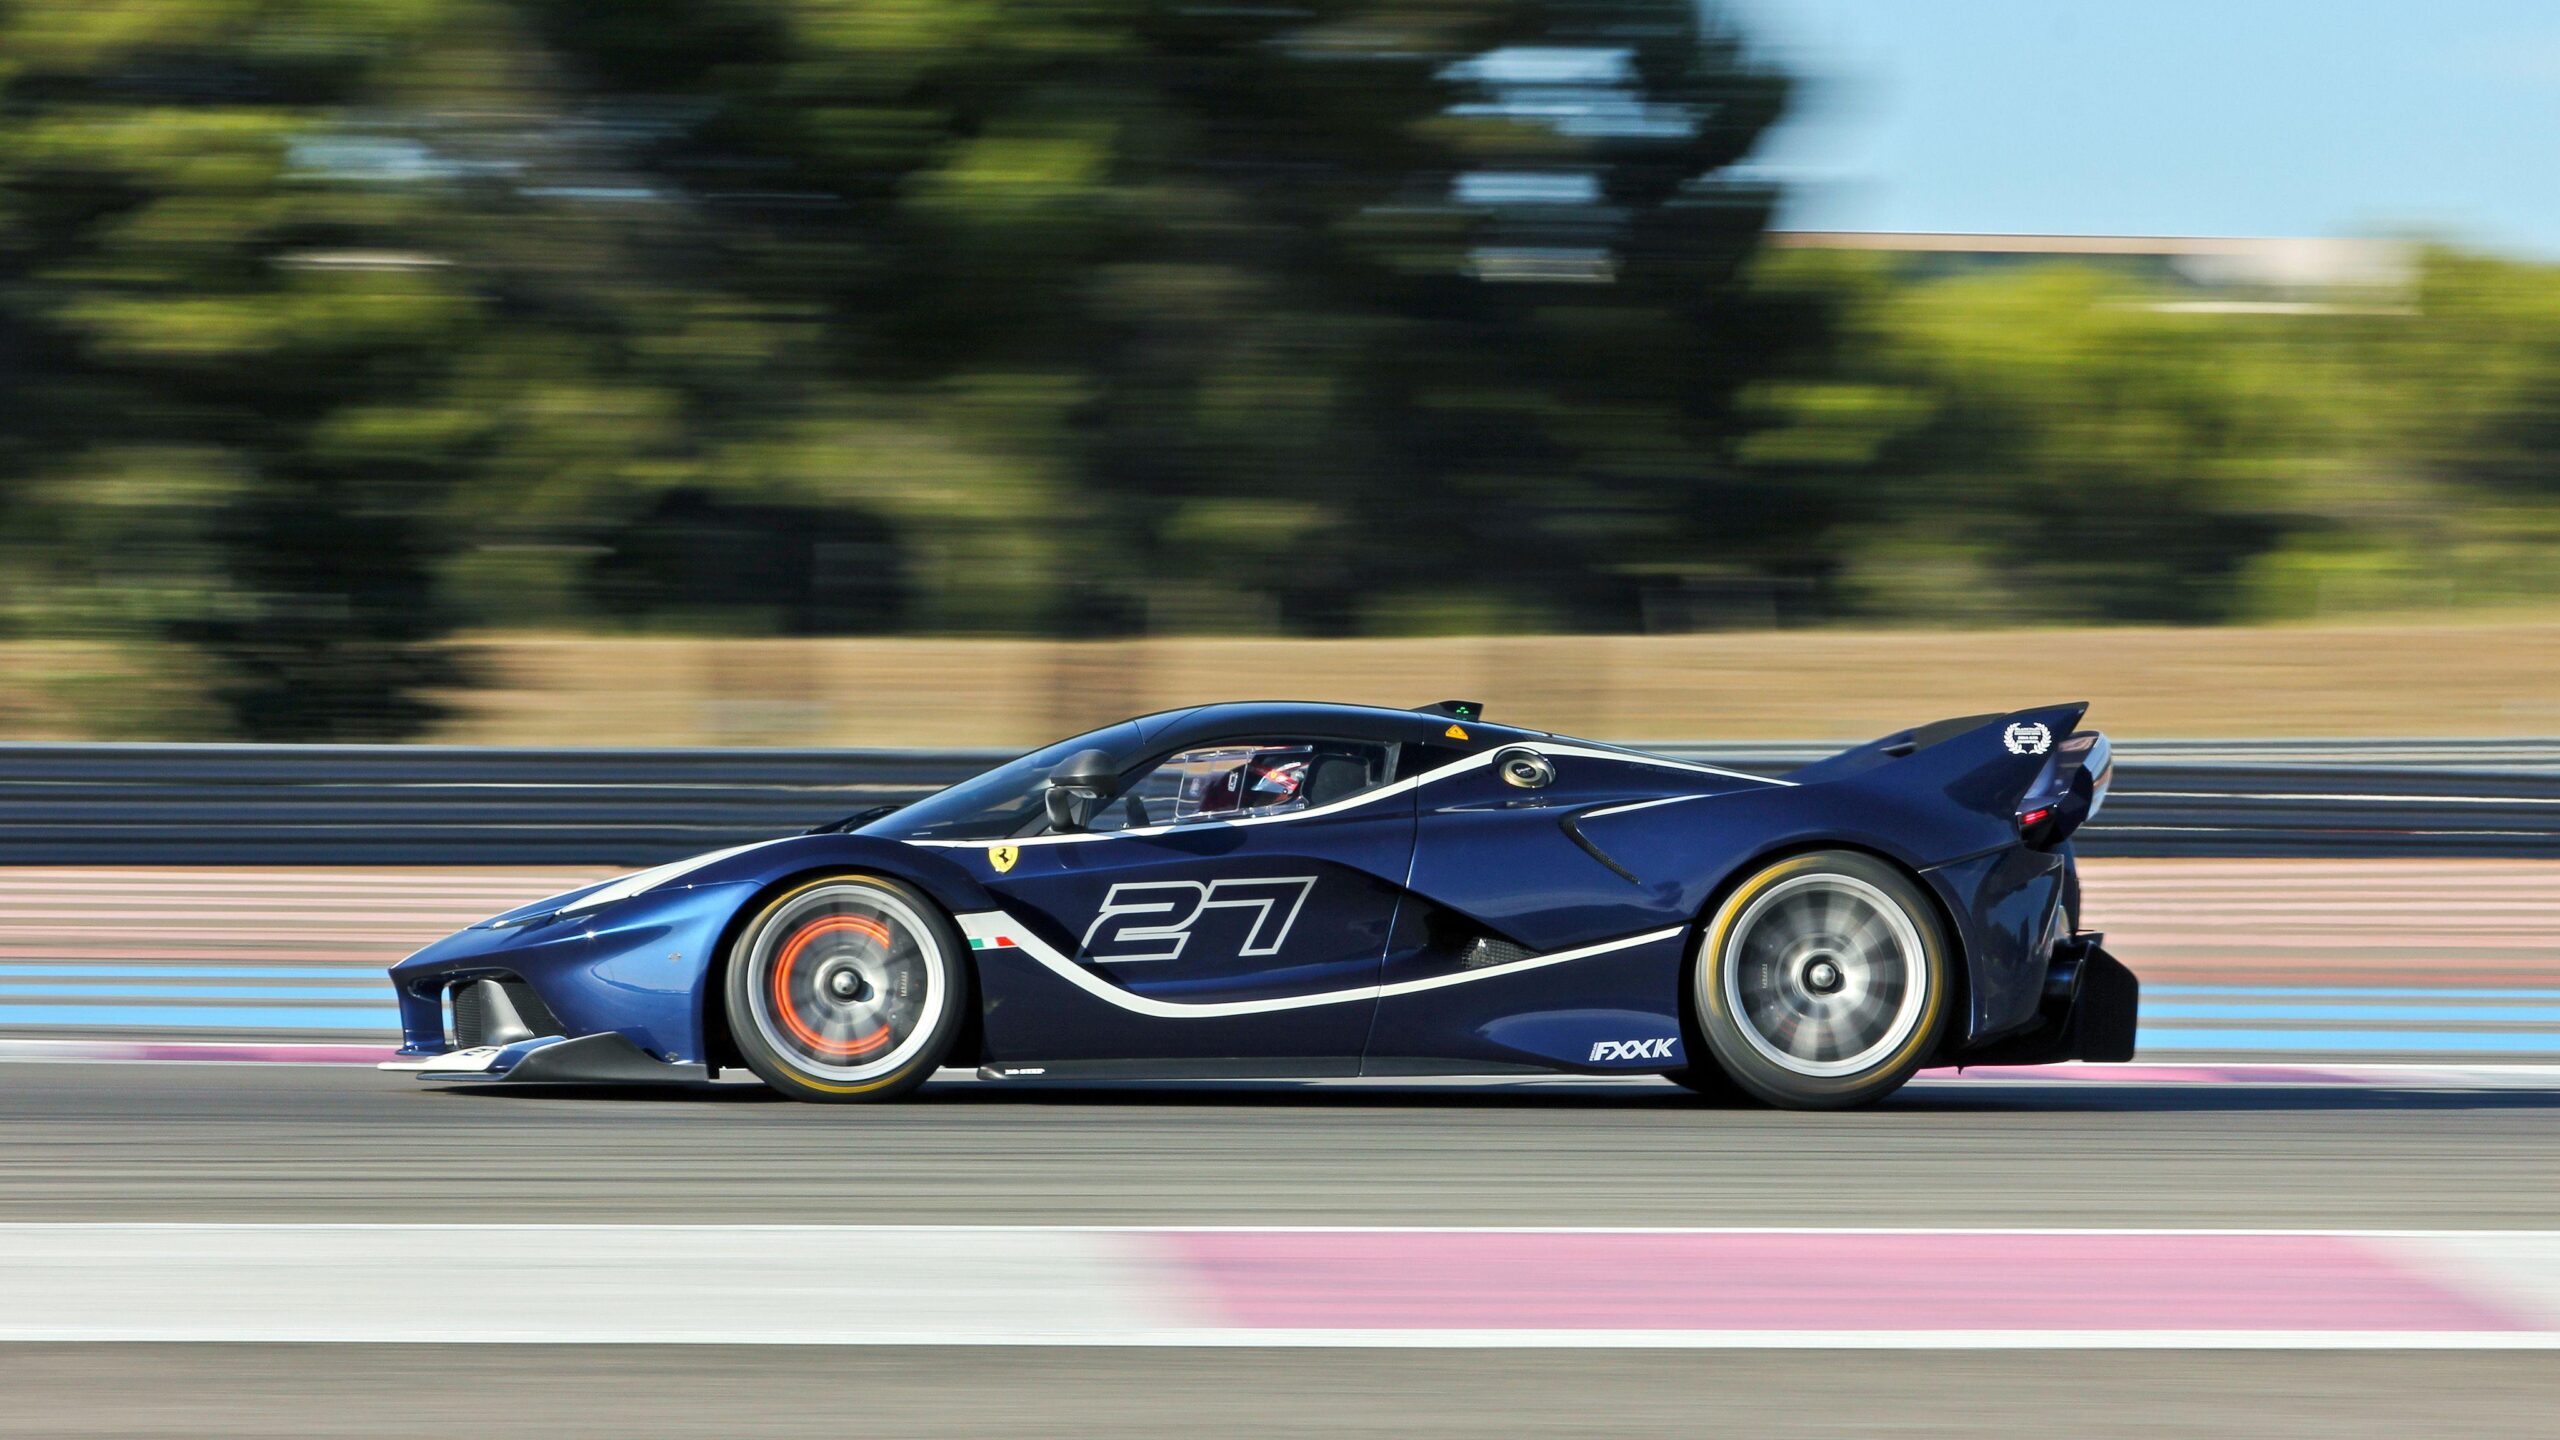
pixel 330 329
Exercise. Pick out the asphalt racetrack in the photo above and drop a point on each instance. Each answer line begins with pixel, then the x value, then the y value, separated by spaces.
pixel 2322 1205
pixel 264 1143
pixel 295 1152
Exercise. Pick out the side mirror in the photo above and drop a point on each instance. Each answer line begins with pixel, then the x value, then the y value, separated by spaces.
pixel 1076 789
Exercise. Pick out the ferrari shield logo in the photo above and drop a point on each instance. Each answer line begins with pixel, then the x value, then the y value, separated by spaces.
pixel 1003 856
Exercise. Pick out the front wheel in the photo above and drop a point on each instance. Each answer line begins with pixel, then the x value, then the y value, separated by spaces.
pixel 1822 981
pixel 846 988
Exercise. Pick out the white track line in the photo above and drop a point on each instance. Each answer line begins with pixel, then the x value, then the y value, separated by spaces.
pixel 1102 1286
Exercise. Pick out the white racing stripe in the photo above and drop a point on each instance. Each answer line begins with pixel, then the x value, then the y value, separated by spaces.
pixel 647 880
pixel 1002 932
pixel 1608 810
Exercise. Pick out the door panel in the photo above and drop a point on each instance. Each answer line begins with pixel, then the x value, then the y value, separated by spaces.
pixel 1268 914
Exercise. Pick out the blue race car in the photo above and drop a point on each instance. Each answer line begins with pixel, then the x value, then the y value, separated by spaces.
pixel 1298 890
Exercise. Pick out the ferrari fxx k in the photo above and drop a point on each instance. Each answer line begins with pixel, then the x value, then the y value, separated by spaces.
pixel 1305 890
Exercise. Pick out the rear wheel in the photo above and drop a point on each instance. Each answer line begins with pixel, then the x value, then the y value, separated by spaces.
pixel 846 988
pixel 1821 982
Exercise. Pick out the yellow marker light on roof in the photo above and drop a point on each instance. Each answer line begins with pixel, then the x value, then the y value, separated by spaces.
pixel 1454 733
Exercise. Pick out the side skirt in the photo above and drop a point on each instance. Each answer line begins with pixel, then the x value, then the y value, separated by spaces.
pixel 1322 1067
pixel 1318 1068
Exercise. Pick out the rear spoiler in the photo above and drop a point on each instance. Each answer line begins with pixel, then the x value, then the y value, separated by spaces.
pixel 2033 766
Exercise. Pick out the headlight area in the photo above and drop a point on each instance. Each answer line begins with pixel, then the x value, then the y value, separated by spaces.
pixel 631 967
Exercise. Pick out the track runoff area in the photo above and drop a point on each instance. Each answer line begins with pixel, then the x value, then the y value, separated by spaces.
pixel 2271 960
pixel 2263 978
pixel 1969 1174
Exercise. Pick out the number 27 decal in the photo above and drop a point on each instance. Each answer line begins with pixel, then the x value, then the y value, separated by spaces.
pixel 1152 919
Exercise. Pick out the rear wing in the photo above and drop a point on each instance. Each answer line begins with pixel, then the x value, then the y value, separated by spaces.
pixel 2033 766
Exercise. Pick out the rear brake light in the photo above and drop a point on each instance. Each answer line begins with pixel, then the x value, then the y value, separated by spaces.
pixel 2033 817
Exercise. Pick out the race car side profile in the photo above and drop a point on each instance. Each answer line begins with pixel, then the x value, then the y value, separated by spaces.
pixel 1269 890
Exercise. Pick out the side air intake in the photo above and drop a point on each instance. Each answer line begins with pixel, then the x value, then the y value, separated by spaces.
pixel 1486 951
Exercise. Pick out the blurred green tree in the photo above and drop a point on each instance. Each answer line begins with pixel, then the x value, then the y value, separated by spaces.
pixel 336 324
pixel 226 325
pixel 2439 481
pixel 1327 317
pixel 331 327
pixel 2050 442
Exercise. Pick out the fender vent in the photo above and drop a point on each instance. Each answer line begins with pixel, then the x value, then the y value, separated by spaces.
pixel 1488 951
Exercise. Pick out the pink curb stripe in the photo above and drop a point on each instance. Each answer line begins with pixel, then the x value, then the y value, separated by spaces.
pixel 1829 1281
pixel 288 1054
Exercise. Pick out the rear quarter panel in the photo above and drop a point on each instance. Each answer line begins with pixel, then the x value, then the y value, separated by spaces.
pixel 1952 829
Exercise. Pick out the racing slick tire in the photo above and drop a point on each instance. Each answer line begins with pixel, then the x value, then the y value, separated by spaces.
pixel 1822 981
pixel 845 988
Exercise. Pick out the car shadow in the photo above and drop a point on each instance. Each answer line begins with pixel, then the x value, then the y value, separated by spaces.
pixel 2191 1099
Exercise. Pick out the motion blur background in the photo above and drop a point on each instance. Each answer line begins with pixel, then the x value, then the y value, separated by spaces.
pixel 861 386
pixel 854 371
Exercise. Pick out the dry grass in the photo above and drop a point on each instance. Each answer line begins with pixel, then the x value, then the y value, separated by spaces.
pixel 2397 679
pixel 2377 680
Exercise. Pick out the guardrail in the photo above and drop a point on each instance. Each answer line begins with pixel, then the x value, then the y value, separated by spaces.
pixel 84 804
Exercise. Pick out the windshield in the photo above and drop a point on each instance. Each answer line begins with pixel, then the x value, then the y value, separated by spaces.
pixel 999 803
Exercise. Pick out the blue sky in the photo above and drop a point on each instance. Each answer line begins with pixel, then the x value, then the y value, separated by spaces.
pixel 2212 117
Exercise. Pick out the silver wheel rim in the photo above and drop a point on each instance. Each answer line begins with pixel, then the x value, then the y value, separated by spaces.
pixel 844 981
pixel 1825 975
